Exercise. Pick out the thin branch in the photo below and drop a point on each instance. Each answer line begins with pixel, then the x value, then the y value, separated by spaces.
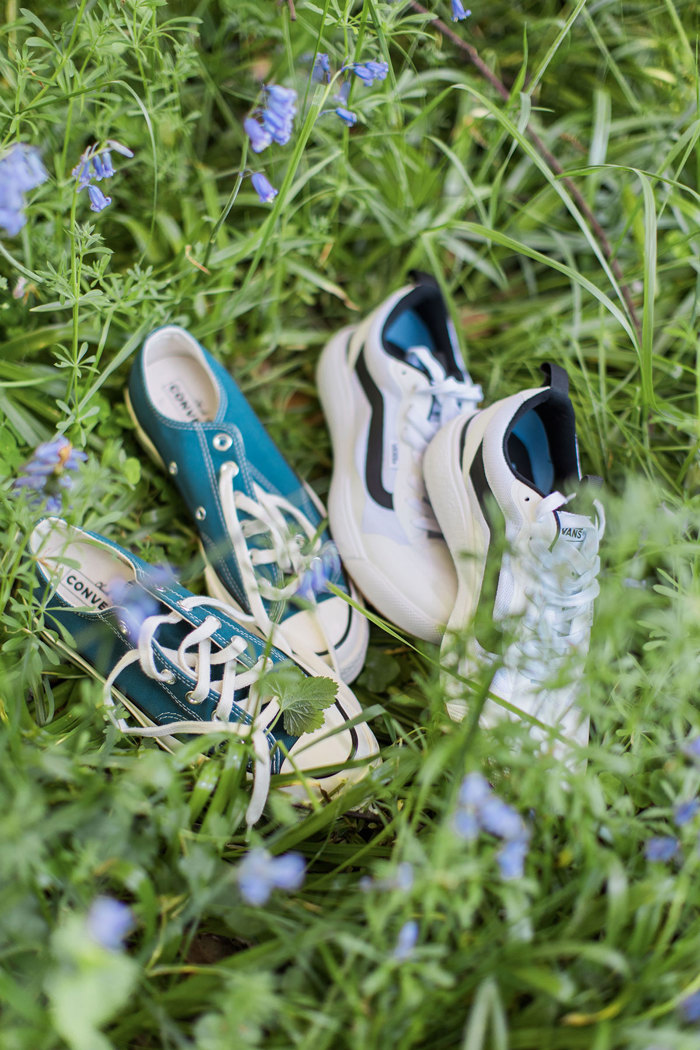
pixel 499 86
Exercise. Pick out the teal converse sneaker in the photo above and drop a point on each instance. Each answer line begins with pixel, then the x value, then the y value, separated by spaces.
pixel 260 527
pixel 183 665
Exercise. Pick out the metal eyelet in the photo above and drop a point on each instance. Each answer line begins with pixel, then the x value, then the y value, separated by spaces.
pixel 200 514
pixel 189 697
pixel 123 627
pixel 222 442
pixel 172 468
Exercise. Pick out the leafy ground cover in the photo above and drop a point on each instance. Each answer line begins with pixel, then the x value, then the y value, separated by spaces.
pixel 553 191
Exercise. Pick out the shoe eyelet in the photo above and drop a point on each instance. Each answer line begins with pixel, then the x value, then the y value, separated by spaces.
pixel 189 697
pixel 123 626
pixel 172 468
pixel 200 514
pixel 222 442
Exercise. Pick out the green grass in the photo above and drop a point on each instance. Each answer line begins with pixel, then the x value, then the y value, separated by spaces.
pixel 596 947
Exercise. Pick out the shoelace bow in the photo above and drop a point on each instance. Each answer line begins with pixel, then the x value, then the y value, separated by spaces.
pixel 198 665
pixel 566 585
pixel 269 516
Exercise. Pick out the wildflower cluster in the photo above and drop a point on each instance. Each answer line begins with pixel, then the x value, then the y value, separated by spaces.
pixel 259 873
pixel 134 602
pixel 48 473
pixel 271 123
pixel 94 166
pixel 367 72
pixel 21 170
pixel 479 809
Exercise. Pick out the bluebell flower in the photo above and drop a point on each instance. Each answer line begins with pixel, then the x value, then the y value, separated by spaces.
pixel 685 811
pixel 259 137
pixel 406 941
pixel 474 789
pixel 259 873
pixel 98 201
pixel 264 189
pixel 466 824
pixel 458 12
pixel 511 858
pixel 279 111
pixel 134 604
pixel 324 568
pixel 661 848
pixel 690 1008
pixel 321 73
pixel 347 116
pixel 83 173
pixel 98 167
pixel 48 472
pixel 21 170
pixel 500 819
pixel 108 922
pixel 368 72
pixel 343 93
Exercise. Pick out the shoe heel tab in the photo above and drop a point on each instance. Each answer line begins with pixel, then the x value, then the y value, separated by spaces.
pixel 556 377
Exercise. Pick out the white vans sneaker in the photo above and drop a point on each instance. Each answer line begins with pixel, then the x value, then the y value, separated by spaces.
pixel 495 482
pixel 386 387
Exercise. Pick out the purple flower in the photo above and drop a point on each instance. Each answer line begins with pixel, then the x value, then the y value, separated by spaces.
pixel 47 472
pixel 661 848
pixel 346 115
pixel 474 789
pixel 321 73
pixel 406 941
pixel 466 824
pixel 264 189
pixel 279 111
pixel 690 1008
pixel 134 604
pixel 259 137
pixel 98 167
pixel 259 873
pixel 458 12
pixel 20 170
pixel 685 811
pixel 368 72
pixel 98 201
pixel 500 819
pixel 511 858
pixel 108 922
pixel 323 569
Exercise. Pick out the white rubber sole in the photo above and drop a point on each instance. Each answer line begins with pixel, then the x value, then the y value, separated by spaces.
pixel 350 655
pixel 341 396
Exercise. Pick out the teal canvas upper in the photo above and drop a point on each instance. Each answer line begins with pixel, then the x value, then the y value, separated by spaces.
pixel 194 449
pixel 97 629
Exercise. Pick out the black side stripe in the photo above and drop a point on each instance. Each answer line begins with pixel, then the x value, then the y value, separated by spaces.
pixel 375 438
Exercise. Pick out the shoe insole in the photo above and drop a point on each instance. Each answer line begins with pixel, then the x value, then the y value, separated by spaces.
pixel 80 570
pixel 181 389
pixel 529 452
pixel 409 329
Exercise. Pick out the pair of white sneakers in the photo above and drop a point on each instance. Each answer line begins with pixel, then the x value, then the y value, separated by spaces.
pixel 428 493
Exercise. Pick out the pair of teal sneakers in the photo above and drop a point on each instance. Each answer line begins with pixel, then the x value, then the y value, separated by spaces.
pixel 182 664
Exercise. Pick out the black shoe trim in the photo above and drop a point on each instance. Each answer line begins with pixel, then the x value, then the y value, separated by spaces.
pixel 375 438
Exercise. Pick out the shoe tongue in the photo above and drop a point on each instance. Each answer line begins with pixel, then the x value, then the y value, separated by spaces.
pixel 573 528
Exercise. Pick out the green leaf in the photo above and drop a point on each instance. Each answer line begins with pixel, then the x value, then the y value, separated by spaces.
pixel 302 699
pixel 132 470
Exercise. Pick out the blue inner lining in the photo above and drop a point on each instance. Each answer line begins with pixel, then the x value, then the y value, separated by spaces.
pixel 408 330
pixel 530 452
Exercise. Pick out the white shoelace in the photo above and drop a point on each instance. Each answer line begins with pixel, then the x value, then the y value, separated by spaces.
pixel 449 397
pixel 199 665
pixel 565 587
pixel 269 516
